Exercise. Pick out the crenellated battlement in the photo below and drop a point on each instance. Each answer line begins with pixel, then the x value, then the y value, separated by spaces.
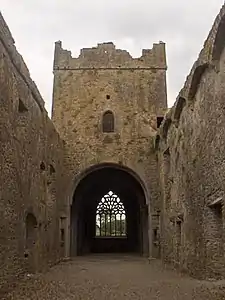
pixel 106 56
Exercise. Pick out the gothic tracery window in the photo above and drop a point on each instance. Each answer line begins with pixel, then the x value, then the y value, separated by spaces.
pixel 108 122
pixel 110 217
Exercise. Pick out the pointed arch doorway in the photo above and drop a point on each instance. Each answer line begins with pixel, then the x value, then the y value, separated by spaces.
pixel 109 213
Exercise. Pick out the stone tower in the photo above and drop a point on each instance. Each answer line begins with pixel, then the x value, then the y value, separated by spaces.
pixel 107 107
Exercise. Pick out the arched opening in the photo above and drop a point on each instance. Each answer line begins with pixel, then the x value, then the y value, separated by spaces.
pixel 108 122
pixel 109 213
pixel 196 79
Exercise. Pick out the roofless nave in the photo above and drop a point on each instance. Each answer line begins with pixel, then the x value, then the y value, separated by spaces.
pixel 112 171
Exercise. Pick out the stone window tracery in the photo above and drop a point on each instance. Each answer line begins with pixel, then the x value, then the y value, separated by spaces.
pixel 110 217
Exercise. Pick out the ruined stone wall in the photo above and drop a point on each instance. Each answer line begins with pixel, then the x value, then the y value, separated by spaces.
pixel 191 149
pixel 101 79
pixel 30 171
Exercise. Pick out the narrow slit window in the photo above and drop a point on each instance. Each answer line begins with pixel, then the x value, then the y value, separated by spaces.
pixel 108 122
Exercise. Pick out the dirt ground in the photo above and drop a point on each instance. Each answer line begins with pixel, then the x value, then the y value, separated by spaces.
pixel 114 277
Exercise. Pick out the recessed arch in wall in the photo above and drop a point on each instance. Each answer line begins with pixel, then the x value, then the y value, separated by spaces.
pixel 195 80
pixel 118 183
pixel 118 166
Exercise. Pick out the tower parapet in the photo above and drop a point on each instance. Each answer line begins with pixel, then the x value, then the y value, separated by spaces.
pixel 106 56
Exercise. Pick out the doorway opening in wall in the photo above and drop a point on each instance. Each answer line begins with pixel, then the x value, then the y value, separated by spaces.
pixel 108 213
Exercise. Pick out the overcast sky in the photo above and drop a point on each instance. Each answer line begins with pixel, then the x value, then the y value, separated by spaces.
pixel 130 24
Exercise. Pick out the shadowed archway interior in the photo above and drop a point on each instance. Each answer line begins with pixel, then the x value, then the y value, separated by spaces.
pixel 109 214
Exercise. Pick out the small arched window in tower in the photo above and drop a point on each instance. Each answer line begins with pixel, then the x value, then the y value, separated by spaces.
pixel 110 217
pixel 108 122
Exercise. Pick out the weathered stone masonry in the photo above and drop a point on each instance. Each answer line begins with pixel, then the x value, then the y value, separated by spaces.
pixel 181 164
pixel 191 155
pixel 31 157
pixel 38 169
pixel 105 79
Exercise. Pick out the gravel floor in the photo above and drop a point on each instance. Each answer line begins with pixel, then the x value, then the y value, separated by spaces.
pixel 114 277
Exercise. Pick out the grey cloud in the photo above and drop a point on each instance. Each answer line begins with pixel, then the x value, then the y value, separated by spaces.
pixel 130 24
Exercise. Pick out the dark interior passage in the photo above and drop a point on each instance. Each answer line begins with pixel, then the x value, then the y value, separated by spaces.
pixel 109 213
